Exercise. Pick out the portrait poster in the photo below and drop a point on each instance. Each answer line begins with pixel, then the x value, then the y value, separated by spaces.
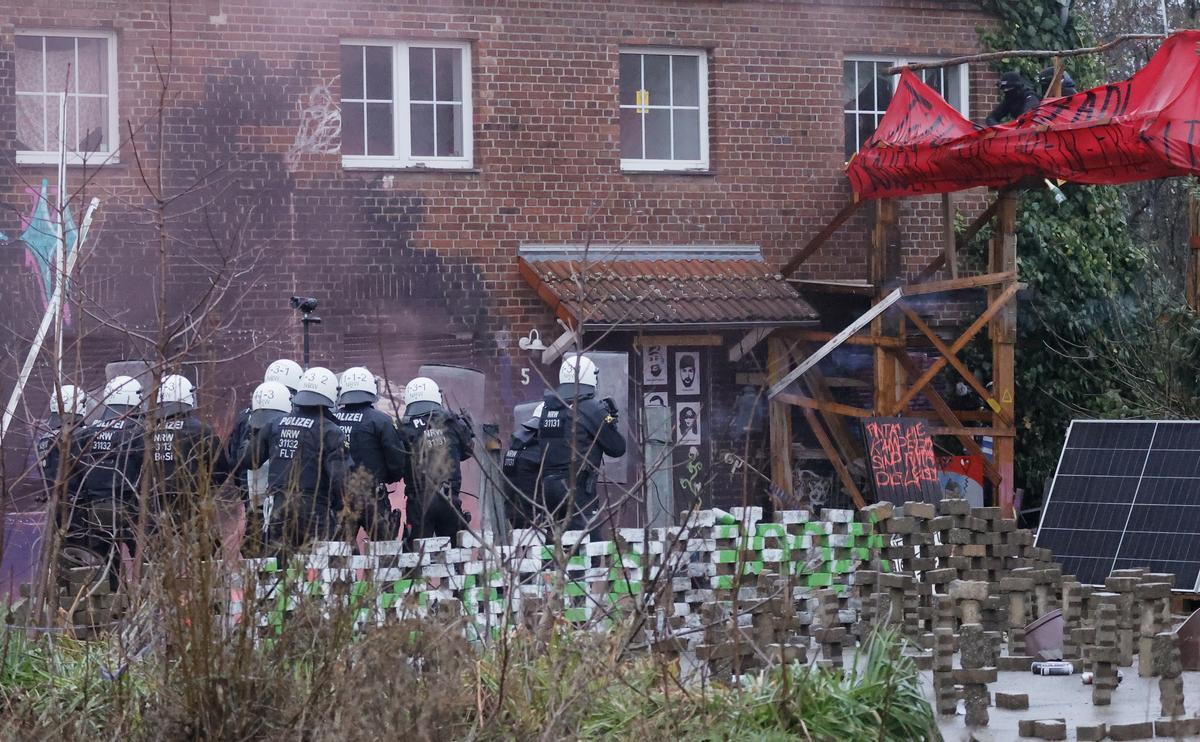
pixel 687 423
pixel 654 365
pixel 687 373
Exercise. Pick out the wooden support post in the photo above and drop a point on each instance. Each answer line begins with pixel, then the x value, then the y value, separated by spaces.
pixel 827 446
pixel 883 269
pixel 949 240
pixel 780 415
pixel 1003 331
pixel 1193 263
pixel 820 239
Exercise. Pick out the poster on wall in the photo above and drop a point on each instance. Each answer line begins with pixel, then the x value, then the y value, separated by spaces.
pixel 903 466
pixel 687 374
pixel 962 476
pixel 655 399
pixel 654 365
pixel 687 423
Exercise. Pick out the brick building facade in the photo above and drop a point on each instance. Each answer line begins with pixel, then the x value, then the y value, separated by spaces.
pixel 484 127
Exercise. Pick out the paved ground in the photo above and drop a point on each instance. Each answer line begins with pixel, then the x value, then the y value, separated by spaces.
pixel 1135 700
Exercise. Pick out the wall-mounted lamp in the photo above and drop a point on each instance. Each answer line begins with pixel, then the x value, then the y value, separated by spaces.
pixel 532 342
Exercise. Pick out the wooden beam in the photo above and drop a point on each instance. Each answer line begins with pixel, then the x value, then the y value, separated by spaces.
pixel 559 346
pixel 819 336
pixel 642 341
pixel 1028 53
pixel 748 342
pixel 1192 290
pixel 821 238
pixel 981 221
pixel 838 465
pixel 958 284
pixel 958 365
pixel 949 240
pixel 948 416
pixel 1004 340
pixel 958 345
pixel 780 420
pixel 819 388
pixel 883 268
pixel 973 432
pixel 808 403
pixel 834 342
pixel 934 266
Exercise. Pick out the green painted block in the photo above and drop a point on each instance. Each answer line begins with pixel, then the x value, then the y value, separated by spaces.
pixel 422 598
pixel 579 562
pixel 387 600
pixel 858 529
pixel 752 568
pixel 624 587
pixel 816 528
pixel 725 556
pixel 576 589
pixel 775 530
pixel 840 588
pixel 820 579
pixel 841 566
pixel 727 531
pixel 875 541
pixel 860 553
pixel 469 582
pixel 575 615
pixel 723 582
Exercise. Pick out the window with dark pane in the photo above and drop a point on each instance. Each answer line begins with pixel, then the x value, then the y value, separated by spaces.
pixel 63 74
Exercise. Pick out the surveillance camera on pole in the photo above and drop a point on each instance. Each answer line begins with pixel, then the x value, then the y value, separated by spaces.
pixel 306 306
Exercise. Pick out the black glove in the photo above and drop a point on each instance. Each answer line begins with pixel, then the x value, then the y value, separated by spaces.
pixel 610 407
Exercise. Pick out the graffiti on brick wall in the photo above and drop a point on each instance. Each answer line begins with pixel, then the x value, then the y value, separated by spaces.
pixel 320 125
pixel 39 237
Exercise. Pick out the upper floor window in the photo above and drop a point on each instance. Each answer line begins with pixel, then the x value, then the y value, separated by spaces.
pixel 406 104
pixel 74 73
pixel 664 109
pixel 867 91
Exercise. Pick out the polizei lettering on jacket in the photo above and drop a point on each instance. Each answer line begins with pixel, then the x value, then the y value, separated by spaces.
pixel 297 422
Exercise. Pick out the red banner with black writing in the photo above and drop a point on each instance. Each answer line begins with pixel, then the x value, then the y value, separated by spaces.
pixel 1140 129
pixel 903 467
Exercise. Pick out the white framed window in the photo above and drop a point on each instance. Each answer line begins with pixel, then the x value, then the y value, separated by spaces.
pixel 867 90
pixel 664 109
pixel 406 104
pixel 72 69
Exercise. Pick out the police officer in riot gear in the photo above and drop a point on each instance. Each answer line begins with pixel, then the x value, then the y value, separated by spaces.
pixel 68 407
pixel 372 444
pixel 284 371
pixel 306 454
pixel 184 448
pixel 437 441
pixel 270 402
pixel 1017 97
pixel 110 459
pixel 522 462
pixel 577 431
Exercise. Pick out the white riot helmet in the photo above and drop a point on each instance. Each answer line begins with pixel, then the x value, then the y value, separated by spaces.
pixel 74 401
pixel 535 418
pixel 421 395
pixel 176 394
pixel 286 372
pixel 318 387
pixel 269 396
pixel 578 369
pixel 358 385
pixel 122 391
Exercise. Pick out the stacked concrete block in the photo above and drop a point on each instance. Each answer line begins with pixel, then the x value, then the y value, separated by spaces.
pixel 1104 652
pixel 1124 585
pixel 1169 670
pixel 944 688
pixel 1018 590
pixel 1072 611
pixel 975 652
pixel 832 634
pixel 1153 597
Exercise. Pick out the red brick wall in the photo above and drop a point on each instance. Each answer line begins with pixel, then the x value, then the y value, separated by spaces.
pixel 413 267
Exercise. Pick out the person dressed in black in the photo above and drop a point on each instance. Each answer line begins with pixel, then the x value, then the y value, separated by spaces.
pixel 522 462
pixel 105 508
pixel 1017 97
pixel 305 451
pixel 250 474
pixel 437 442
pixel 1047 76
pixel 284 371
pixel 68 407
pixel 186 452
pixel 372 444
pixel 577 431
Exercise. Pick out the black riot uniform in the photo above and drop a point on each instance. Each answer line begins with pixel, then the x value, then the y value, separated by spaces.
pixel 1067 84
pixel 437 442
pixel 1017 98
pixel 106 503
pixel 305 453
pixel 185 450
pixel 577 431
pixel 249 473
pixel 522 462
pixel 373 444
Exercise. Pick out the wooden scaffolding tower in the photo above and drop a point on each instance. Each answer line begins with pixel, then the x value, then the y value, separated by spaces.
pixel 899 379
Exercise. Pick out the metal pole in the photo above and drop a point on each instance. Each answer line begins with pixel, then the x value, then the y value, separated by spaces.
pixel 304 321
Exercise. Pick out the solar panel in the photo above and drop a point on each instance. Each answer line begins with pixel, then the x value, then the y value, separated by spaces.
pixel 1126 495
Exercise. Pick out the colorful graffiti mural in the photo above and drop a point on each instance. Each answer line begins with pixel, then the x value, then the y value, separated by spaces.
pixel 40 238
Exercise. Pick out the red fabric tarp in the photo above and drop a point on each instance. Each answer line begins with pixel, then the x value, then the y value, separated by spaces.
pixel 1146 127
